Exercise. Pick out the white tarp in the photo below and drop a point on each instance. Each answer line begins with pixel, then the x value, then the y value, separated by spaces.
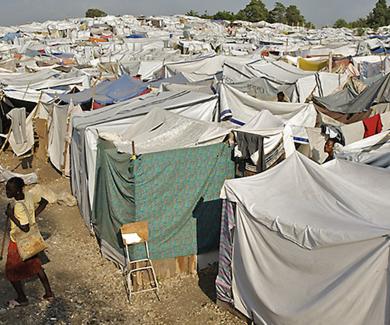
pixel 29 95
pixel 6 174
pixel 374 151
pixel 311 243
pixel 161 130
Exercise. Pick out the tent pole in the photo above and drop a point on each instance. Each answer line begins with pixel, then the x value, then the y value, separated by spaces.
pixel 133 156
pixel 5 141
pixel 4 237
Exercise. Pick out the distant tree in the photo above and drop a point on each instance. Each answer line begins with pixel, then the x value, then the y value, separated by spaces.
pixel 293 16
pixel 192 13
pixel 254 11
pixel 278 14
pixel 340 23
pixel 224 15
pixel 205 15
pixel 93 12
pixel 379 16
pixel 360 23
pixel 310 25
pixel 360 31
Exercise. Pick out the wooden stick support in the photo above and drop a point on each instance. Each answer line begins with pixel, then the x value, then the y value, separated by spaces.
pixel 133 148
pixel 5 141
pixel 4 237
pixel 330 61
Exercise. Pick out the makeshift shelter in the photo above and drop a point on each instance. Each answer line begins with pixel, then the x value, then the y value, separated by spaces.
pixel 240 108
pixel 296 87
pixel 307 244
pixel 117 117
pixel 346 102
pixel 176 191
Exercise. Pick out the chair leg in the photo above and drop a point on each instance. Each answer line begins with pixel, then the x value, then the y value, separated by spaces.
pixel 154 275
pixel 128 285
pixel 155 280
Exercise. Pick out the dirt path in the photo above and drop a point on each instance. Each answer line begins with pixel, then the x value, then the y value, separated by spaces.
pixel 89 289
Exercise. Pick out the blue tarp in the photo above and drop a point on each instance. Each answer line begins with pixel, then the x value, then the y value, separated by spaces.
pixel 378 37
pixel 11 36
pixel 62 55
pixel 381 50
pixel 108 92
pixel 136 36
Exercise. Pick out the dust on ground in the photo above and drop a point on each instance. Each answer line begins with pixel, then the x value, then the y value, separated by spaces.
pixel 90 289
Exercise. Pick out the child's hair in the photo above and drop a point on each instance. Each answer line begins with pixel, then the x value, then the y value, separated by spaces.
pixel 17 182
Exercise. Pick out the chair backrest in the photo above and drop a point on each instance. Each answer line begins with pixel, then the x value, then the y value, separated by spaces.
pixel 140 228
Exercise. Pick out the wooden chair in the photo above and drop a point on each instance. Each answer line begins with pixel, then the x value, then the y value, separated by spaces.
pixel 134 234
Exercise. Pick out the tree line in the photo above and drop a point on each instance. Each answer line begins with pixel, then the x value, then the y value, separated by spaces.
pixel 378 17
pixel 256 11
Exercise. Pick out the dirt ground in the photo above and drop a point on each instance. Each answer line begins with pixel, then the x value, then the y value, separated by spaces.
pixel 88 288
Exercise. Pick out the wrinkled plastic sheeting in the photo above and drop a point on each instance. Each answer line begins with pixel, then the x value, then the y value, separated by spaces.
pixel 29 179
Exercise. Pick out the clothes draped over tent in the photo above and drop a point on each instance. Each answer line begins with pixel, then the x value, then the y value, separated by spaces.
pixel 372 125
pixel 18 124
pixel 22 138
pixel 60 135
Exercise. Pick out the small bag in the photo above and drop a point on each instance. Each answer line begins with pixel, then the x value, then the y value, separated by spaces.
pixel 29 243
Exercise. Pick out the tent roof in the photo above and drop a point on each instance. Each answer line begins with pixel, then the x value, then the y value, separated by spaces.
pixel 347 102
pixel 108 92
pixel 161 130
pixel 316 206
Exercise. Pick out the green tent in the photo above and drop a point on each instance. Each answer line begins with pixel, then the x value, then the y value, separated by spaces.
pixel 176 191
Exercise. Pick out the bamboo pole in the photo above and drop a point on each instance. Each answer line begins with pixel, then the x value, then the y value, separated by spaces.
pixel 4 237
pixel 5 141
pixel 330 61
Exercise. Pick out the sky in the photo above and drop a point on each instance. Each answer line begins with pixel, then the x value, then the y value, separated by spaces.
pixel 320 12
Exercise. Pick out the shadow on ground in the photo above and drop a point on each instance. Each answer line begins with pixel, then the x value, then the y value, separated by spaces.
pixel 207 281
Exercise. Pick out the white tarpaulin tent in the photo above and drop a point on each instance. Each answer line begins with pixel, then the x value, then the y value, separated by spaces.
pixel 311 243
pixel 87 125
pixel 241 108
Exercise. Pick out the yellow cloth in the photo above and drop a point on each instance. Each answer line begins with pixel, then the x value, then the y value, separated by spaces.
pixel 24 211
pixel 312 65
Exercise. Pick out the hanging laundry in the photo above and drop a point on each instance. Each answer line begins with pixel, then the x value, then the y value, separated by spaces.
pixel 18 124
pixel 372 125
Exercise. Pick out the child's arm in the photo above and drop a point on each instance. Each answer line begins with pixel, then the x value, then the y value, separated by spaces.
pixel 42 205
